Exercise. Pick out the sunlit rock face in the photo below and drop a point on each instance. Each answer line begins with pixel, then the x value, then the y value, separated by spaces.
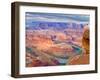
pixel 85 40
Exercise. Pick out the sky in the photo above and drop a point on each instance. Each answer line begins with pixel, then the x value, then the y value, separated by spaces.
pixel 31 17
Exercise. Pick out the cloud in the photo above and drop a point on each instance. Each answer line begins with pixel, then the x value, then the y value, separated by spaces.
pixel 51 17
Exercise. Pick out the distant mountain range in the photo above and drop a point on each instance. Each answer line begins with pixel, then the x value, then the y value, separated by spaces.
pixel 53 25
